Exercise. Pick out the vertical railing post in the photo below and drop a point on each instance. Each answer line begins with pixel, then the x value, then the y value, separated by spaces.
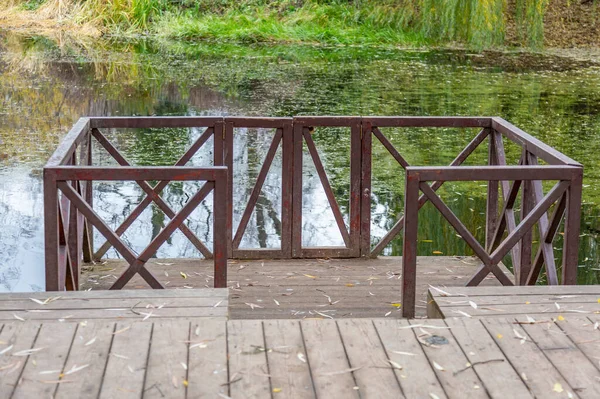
pixel 365 201
pixel 287 182
pixel 297 191
pixel 571 233
pixel 409 249
pixel 88 229
pixel 73 262
pixel 491 220
pixel 51 230
pixel 220 228
pixel 527 204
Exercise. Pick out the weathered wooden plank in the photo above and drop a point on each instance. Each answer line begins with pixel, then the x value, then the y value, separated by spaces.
pixel 143 305
pixel 114 314
pixel 331 372
pixel 14 338
pixel 523 300
pixel 140 294
pixel 247 360
pixel 90 349
pixel 584 332
pixel 416 377
pixel 446 359
pixel 290 373
pixel 364 350
pixel 532 365
pixel 516 290
pixel 166 373
pixel 566 357
pixel 207 365
pixel 54 342
pixel 500 380
pixel 126 367
pixel 502 310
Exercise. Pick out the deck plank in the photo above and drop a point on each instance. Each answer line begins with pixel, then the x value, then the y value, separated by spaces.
pixel 207 365
pixel 167 360
pixel 126 366
pixel 500 380
pixel 290 373
pixel 331 371
pixel 248 368
pixel 90 348
pixel 448 358
pixel 527 359
pixel 585 333
pixel 54 341
pixel 417 378
pixel 574 366
pixel 364 350
pixel 18 337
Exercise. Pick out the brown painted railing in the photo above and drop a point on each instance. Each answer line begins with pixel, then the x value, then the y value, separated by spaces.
pixel 70 215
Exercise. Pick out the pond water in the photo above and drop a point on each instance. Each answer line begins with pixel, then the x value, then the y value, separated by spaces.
pixel 47 84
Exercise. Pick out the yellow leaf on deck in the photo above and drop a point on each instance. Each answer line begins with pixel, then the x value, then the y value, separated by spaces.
pixel 396 305
pixel 560 317
pixel 185 382
pixel 310 276
pixel 437 252
pixel 598 300
pixel 527 303
pixel 558 388
pixel 276 390
pixel 349 285
pixel 499 336
pixel 183 275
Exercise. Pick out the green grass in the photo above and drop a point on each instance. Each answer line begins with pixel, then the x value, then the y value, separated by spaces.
pixel 409 23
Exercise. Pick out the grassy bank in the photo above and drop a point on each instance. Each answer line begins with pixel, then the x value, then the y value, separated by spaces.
pixel 410 23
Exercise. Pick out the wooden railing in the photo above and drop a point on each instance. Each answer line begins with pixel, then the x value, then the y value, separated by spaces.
pixel 70 215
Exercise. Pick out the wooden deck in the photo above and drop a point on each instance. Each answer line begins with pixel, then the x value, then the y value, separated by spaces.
pixel 537 302
pixel 114 305
pixel 349 358
pixel 301 288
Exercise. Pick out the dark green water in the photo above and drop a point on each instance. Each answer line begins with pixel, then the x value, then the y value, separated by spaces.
pixel 45 87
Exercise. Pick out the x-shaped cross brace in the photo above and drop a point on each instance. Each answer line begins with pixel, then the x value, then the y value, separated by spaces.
pixel 136 263
pixel 153 193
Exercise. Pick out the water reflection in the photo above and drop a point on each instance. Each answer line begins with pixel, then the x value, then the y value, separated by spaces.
pixel 45 87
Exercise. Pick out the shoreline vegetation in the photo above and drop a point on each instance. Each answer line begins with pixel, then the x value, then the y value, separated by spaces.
pixel 473 24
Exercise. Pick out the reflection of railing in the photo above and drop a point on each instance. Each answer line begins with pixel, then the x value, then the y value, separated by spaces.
pixel 70 215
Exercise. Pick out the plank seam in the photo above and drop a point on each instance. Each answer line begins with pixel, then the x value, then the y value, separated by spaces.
pixel 429 361
pixel 147 360
pixel 310 372
pixel 593 361
pixel 262 327
pixel 337 326
pixel 508 359
pixel 388 357
pixel 25 363
pixel 187 361
pixel 112 338
pixel 67 358
pixel 228 358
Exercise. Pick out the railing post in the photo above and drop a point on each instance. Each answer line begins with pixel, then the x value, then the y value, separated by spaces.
pixel 51 230
pixel 287 195
pixel 365 201
pixel 220 228
pixel 571 233
pixel 491 220
pixel 88 229
pixel 527 204
pixel 409 249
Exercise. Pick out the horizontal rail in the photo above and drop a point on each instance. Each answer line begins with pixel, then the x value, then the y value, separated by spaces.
pixel 153 121
pixel 428 121
pixel 110 173
pixel 487 173
pixel 68 144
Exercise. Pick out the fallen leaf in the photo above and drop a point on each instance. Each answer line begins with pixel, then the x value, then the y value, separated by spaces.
pixel 499 336
pixel 473 304
pixel 253 305
pixel 91 341
pixel 462 313
pixel 522 337
pixel 438 367
pixel 276 301
pixel 396 305
pixel 183 275
pixel 3 351
pixel 395 365
pixel 27 352
pixel 18 317
pixel 330 373
pixel 404 353
pixel 434 396
pixel 276 390
pixel 558 387
pixel 186 383
pixel 301 357
pixel 310 276
pixel 76 368
pixel 349 285
pixel 560 317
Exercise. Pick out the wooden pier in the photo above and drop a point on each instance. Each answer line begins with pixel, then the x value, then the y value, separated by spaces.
pixel 301 288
